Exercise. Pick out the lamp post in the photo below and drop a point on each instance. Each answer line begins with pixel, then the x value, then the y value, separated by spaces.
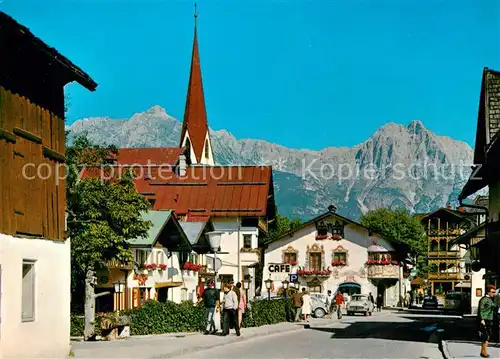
pixel 246 286
pixel 269 284
pixel 119 285
pixel 215 239
pixel 285 285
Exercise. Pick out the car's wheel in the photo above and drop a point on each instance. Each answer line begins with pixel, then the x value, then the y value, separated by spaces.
pixel 319 313
pixel 365 313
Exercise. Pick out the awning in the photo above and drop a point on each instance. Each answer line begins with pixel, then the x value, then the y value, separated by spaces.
pixel 168 284
pixel 417 281
pixel 463 285
pixel 349 285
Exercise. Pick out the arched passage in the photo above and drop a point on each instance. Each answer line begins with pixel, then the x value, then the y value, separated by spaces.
pixel 350 288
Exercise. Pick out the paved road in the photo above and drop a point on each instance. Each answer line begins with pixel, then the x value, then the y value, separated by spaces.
pixel 386 335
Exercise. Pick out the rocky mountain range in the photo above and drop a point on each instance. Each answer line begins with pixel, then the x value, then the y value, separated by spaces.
pixel 398 166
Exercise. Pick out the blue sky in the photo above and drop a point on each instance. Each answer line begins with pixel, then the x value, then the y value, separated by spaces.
pixel 304 74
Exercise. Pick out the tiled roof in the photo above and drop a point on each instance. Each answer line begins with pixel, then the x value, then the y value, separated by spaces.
pixel 220 191
pixel 148 156
pixel 195 114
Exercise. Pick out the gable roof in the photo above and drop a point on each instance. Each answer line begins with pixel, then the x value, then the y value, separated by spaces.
pixel 148 156
pixel 218 191
pixel 193 230
pixel 448 211
pixel 488 119
pixel 159 220
pixel 13 32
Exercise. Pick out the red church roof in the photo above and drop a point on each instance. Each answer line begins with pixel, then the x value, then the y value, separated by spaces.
pixel 195 114
pixel 148 156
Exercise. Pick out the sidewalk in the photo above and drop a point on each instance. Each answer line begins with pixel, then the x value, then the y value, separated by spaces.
pixel 170 345
pixel 461 340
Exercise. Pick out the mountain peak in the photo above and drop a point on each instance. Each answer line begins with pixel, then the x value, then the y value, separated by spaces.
pixel 416 126
pixel 157 110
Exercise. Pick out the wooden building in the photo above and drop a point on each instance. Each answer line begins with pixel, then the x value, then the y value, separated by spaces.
pixel 34 253
pixel 442 227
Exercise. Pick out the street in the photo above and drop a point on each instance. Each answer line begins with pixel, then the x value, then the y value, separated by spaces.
pixel 384 335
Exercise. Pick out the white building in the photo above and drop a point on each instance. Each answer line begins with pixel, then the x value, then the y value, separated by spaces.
pixel 169 264
pixel 331 252
pixel 35 272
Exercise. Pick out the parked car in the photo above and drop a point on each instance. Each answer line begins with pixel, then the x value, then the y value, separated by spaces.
pixel 430 303
pixel 320 296
pixel 457 302
pixel 318 307
pixel 360 304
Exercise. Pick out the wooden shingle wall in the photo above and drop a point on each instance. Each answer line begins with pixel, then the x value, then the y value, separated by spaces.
pixel 32 184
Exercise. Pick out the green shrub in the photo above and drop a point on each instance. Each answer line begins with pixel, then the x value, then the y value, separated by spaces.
pixel 169 317
pixel 266 312
pixel 77 325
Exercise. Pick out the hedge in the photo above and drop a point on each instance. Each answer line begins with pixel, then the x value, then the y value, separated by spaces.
pixel 169 317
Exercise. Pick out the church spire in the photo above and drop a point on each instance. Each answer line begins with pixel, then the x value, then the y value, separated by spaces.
pixel 194 132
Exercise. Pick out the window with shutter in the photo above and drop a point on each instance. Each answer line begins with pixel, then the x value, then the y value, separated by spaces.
pixel 28 294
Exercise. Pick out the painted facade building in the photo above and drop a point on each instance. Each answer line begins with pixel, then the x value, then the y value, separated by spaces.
pixel 35 272
pixel 331 252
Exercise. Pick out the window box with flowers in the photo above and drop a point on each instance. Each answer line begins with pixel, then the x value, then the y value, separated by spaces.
pixel 192 267
pixel 314 272
pixel 150 267
pixel 338 263
pixel 336 237
pixel 321 237
pixel 385 262
pixel 294 263
pixel 162 267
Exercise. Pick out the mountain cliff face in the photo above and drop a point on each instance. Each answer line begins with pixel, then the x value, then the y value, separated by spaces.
pixel 398 166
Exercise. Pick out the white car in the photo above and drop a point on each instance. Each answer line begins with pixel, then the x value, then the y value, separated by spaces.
pixel 360 304
pixel 320 296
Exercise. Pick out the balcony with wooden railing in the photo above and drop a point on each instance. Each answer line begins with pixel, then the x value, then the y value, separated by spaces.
pixel 446 276
pixel 444 254
pixel 379 271
pixel 444 232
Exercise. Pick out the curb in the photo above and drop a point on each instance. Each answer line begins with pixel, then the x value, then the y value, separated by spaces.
pixel 198 348
pixel 443 346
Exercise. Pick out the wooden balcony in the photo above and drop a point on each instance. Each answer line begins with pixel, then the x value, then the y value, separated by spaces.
pixel 446 276
pixel 444 254
pixel 378 271
pixel 444 232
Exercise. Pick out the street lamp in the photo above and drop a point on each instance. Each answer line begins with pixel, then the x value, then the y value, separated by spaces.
pixel 285 285
pixel 269 284
pixel 215 238
pixel 119 286
pixel 246 286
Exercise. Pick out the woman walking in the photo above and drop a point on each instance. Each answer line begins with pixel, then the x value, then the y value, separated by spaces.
pixel 306 304
pixel 485 318
pixel 242 305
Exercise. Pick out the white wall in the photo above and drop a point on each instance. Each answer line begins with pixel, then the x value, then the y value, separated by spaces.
pixel 232 243
pixel 356 241
pixel 477 282
pixel 48 335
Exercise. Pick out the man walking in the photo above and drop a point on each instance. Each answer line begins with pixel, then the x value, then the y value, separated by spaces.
pixel 330 302
pixel 339 302
pixel 211 302
pixel 230 311
pixel 297 304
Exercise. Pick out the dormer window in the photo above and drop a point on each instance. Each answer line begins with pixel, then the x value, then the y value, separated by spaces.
pixel 337 229
pixel 322 228
pixel 206 150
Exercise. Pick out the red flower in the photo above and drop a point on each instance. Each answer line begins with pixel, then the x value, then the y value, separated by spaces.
pixel 294 263
pixel 321 236
pixel 163 266
pixel 336 237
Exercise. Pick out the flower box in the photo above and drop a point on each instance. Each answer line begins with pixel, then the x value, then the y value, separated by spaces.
pixel 317 272
pixel 294 263
pixel 162 267
pixel 152 266
pixel 386 262
pixel 336 237
pixel 192 267
pixel 322 236
pixel 338 263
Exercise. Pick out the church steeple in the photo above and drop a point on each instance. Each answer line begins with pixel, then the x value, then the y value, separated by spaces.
pixel 194 134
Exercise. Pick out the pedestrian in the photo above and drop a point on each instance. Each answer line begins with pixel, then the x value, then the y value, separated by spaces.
pixel 306 304
pixel 242 304
pixel 330 302
pixel 297 303
pixel 485 318
pixel 380 303
pixel 230 311
pixel 339 303
pixel 210 298
pixel 371 299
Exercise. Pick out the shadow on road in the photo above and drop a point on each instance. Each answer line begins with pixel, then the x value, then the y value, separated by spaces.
pixel 412 328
